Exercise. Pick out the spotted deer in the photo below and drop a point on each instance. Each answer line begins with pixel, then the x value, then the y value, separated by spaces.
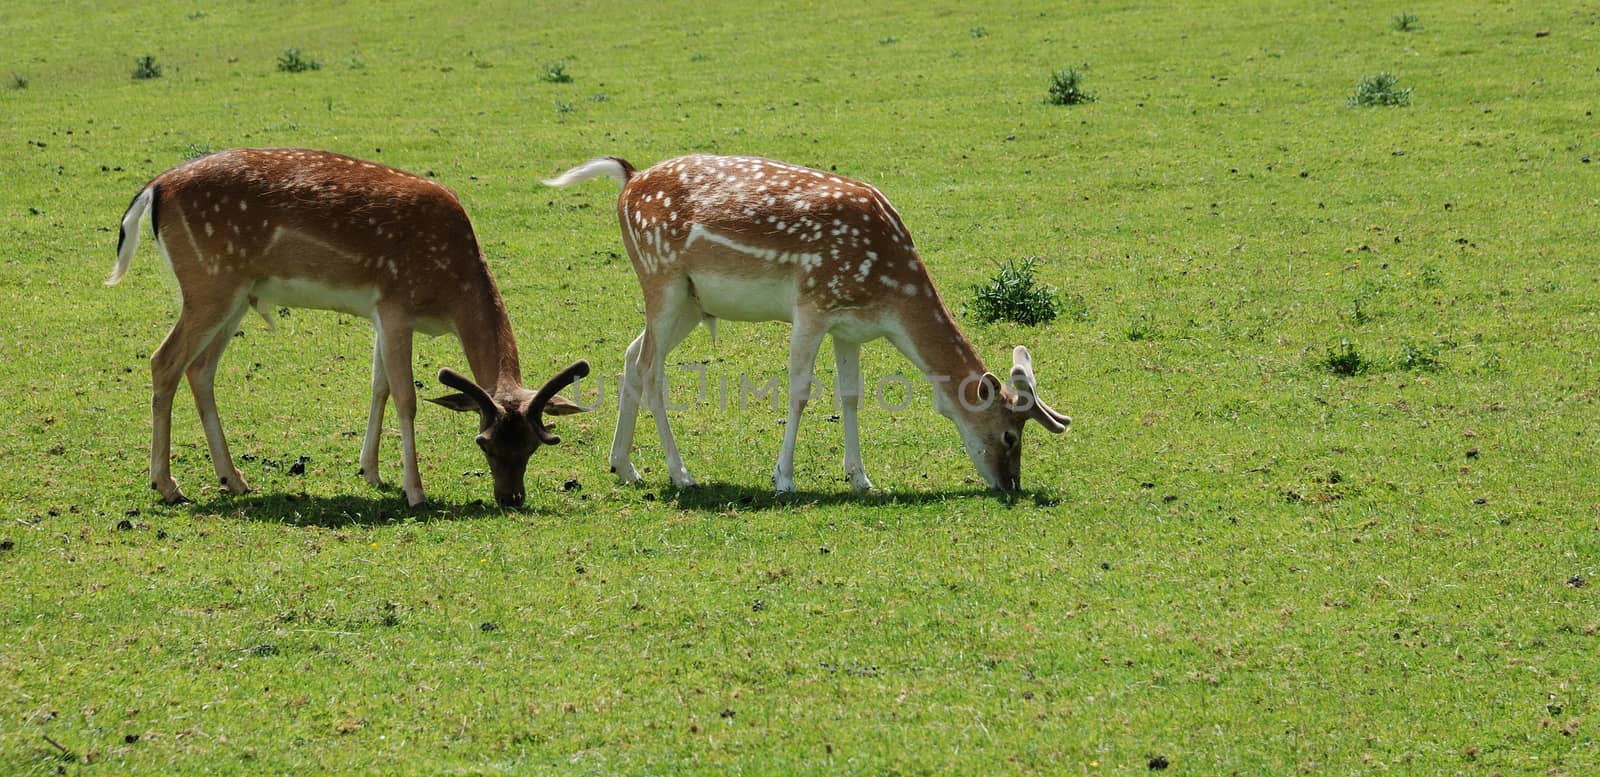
pixel 261 228
pixel 752 239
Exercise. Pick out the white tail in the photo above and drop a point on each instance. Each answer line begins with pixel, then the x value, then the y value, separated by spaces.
pixel 267 227
pixel 609 166
pixel 757 240
pixel 128 238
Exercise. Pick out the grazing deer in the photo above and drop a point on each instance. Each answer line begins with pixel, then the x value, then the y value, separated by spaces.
pixel 751 239
pixel 267 227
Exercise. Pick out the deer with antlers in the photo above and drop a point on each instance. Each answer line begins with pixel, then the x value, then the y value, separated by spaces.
pixel 751 239
pixel 261 228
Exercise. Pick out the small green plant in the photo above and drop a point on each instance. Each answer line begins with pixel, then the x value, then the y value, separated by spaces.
pixel 1380 89
pixel 1419 358
pixel 1405 22
pixel 195 15
pixel 1361 305
pixel 564 107
pixel 978 32
pixel 1141 327
pixel 1429 277
pixel 888 40
pixel 193 151
pixel 556 73
pixel 292 61
pixel 19 81
pixel 1066 88
pixel 1012 294
pixel 145 68
pixel 1344 360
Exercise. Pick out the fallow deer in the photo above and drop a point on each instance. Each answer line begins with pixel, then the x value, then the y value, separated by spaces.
pixel 752 239
pixel 293 227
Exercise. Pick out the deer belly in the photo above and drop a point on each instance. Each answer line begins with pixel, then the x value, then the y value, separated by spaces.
pixel 302 293
pixel 745 299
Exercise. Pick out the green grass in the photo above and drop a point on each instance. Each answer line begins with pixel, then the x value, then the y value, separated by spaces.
pixel 1236 560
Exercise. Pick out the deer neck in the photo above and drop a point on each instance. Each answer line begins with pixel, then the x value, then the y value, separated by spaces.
pixel 486 338
pixel 933 342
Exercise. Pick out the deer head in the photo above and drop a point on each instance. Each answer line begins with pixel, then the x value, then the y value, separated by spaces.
pixel 512 428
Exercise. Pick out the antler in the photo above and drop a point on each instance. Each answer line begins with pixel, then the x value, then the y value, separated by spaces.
pixel 574 371
pixel 472 390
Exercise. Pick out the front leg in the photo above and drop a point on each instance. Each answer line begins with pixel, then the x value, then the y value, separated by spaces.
pixel 394 333
pixel 804 340
pixel 847 368
pixel 380 398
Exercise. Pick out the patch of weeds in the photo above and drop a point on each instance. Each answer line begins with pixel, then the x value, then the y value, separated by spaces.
pixel 1404 22
pixel 978 32
pixel 556 73
pixel 1361 305
pixel 1344 360
pixel 600 98
pixel 1381 89
pixel 19 81
pixel 192 151
pixel 145 68
pixel 1141 327
pixel 293 61
pixel 699 56
pixel 1430 277
pixel 564 107
pixel 1066 88
pixel 1012 294
pixel 1422 358
pixel 195 15
pixel 1489 363
pixel 888 40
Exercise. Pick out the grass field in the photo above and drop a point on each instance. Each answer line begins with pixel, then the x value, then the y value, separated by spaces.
pixel 1239 560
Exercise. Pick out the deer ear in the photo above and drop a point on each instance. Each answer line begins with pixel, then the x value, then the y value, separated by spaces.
pixel 472 396
pixel 1027 390
pixel 460 403
pixel 559 405
pixel 545 399
pixel 988 388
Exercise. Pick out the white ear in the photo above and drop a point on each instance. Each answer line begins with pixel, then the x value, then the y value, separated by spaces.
pixel 1027 389
pixel 1022 380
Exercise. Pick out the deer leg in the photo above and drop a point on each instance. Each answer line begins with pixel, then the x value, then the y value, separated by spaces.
pixel 848 388
pixel 675 323
pixel 394 338
pixel 380 397
pixel 202 373
pixel 628 411
pixel 198 323
pixel 804 340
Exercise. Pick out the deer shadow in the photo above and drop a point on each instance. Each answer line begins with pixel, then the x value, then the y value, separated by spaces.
pixel 719 497
pixel 346 510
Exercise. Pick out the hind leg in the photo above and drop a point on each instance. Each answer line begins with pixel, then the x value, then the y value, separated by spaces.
pixel 202 373
pixel 198 324
pixel 670 315
pixel 628 395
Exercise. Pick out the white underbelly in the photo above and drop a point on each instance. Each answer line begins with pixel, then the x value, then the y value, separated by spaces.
pixel 302 293
pixel 745 299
